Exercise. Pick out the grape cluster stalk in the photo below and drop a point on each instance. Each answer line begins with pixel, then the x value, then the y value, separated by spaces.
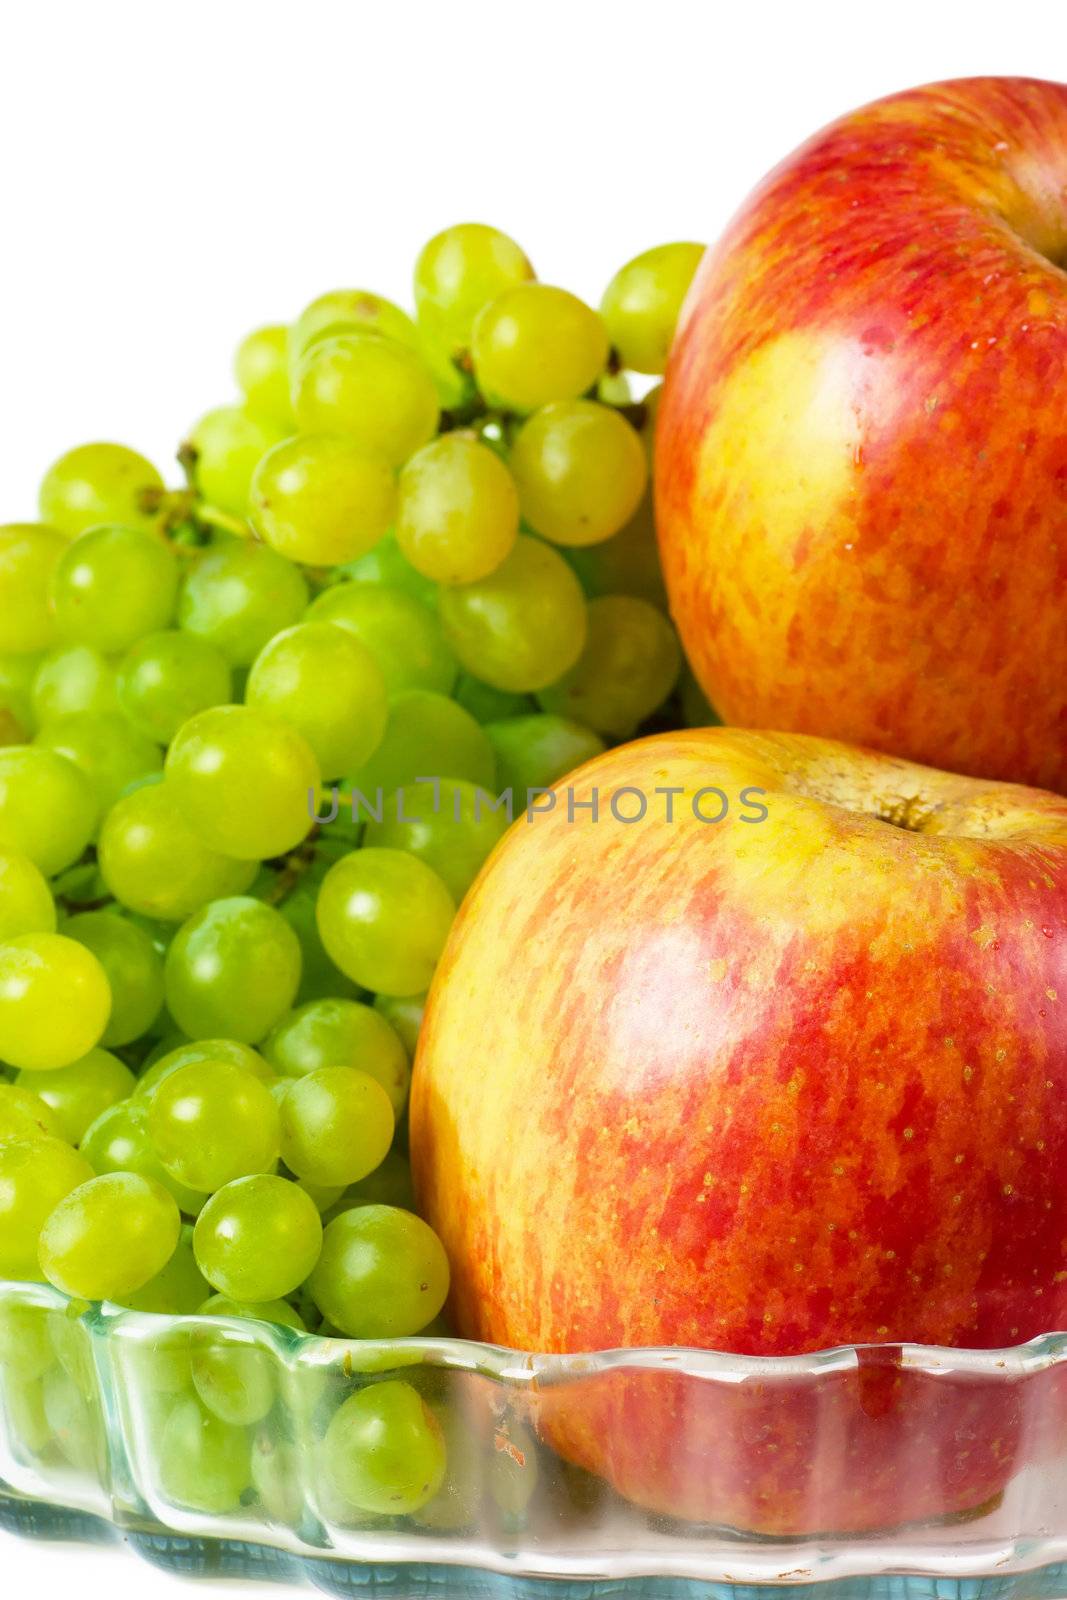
pixel 413 546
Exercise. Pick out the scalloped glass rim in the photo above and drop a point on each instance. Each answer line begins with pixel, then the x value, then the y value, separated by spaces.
pixel 1006 1544
pixel 519 1366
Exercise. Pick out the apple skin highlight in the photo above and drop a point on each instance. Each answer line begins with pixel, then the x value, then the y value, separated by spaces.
pixel 861 473
pixel 762 1088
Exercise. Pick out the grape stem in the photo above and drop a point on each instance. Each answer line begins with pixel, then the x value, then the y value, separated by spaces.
pixel 188 456
pixel 290 869
pixel 463 416
pixel 84 874
pixel 75 908
pixel 182 509
pixel 214 518
pixel 193 508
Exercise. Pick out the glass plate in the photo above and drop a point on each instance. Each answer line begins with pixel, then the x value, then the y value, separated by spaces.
pixel 872 1473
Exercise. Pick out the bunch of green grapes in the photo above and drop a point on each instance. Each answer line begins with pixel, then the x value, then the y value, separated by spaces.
pixel 253 734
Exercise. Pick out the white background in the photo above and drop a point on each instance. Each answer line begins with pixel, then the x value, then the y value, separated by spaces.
pixel 173 174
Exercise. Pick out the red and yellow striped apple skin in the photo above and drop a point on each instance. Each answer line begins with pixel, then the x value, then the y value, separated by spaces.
pixel 763 1087
pixel 862 449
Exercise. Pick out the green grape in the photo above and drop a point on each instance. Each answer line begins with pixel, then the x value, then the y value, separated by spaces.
pixel 382 1274
pixel 236 1383
pixel 457 1505
pixel 22 1402
pixel 341 1033
pixel 278 1311
pixel 319 978
pixel 627 563
pixel 35 1175
pixel 227 444
pixel 390 1184
pixel 279 1088
pixel 327 685
pixel 54 1001
pixel 355 311
pixel 70 679
pixel 110 752
pixel 318 500
pixel 48 809
pixel 247 782
pixel 261 367
pixel 72 1423
pixel 337 1125
pixel 178 1289
pixel 191 1052
pixel 232 971
pixel 628 668
pixel 17 675
pixel 113 585
pixel 166 678
pixel 374 390
pixel 72 1344
pixel 29 556
pixel 158 1364
pixel 522 627
pixel 100 483
pixel 458 272
pixel 211 1123
pixel 84 884
pixel 384 1451
pixel 533 344
pixel 451 826
pixel 427 736
pixel 642 302
pixel 24 1115
pixel 614 389
pixel 458 510
pixel 402 635
pixel 133 967
pixel 581 471
pixel 239 595
pixel 454 383
pixel 487 704
pixel 204 1464
pixel 26 1349
pixel 276 1478
pixel 119 1141
pixel 350 311
pixel 384 917
pixel 172 1037
pixel 77 1095
pixel 404 1013
pixel 323 1196
pixel 386 565
pixel 534 752
pixel 152 861
pixel 109 1237
pixel 258 1238
pixel 235 1378
pixel 26 904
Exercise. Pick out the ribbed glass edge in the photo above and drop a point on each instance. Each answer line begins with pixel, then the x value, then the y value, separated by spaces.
pixel 516 1367
pixel 991 1558
pixel 224 1559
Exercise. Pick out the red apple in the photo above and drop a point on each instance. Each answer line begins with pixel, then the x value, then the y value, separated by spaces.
pixel 862 448
pixel 763 1086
